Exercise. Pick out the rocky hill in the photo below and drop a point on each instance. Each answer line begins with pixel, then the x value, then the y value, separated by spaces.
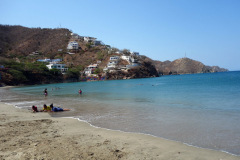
pixel 184 66
pixel 21 41
pixel 17 44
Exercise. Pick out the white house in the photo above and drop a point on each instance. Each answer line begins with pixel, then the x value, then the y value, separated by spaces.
pixel 89 69
pixel 92 66
pixel 133 65
pixel 89 39
pixel 119 52
pixel 61 67
pixel 127 58
pixel 44 60
pixel 133 60
pixel 135 54
pixel 112 63
pixel 114 58
pixel 96 43
pixel 73 45
pixel 75 36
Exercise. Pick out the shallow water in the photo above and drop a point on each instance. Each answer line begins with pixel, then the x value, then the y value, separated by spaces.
pixel 198 109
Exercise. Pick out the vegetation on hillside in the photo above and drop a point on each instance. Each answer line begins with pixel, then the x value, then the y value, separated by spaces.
pixel 21 41
pixel 16 73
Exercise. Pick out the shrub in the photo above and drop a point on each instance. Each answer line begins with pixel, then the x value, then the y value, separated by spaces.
pixel 73 72
pixel 54 71
pixel 18 75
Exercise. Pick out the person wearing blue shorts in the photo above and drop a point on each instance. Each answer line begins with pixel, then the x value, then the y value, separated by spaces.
pixel 57 109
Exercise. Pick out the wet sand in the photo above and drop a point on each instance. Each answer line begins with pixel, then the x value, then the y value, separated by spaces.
pixel 27 135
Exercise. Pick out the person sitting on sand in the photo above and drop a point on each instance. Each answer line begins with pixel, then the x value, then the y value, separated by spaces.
pixel 34 109
pixel 57 109
pixel 46 108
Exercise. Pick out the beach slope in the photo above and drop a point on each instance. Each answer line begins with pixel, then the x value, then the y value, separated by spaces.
pixel 27 135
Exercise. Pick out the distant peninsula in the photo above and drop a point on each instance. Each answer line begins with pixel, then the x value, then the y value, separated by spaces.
pixel 45 55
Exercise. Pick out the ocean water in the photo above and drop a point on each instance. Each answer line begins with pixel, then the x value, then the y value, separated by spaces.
pixel 202 110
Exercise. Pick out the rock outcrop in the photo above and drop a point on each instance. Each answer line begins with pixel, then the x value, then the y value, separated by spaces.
pixel 147 69
pixel 185 66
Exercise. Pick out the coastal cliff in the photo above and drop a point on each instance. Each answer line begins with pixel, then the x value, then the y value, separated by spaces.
pixel 146 70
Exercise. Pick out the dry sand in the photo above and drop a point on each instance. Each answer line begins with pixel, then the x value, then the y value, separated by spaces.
pixel 27 135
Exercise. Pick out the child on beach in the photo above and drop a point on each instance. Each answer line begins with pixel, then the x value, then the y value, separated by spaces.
pixel 34 109
pixel 46 108
pixel 57 109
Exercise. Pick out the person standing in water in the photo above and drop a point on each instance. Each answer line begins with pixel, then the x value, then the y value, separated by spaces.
pixel 45 92
pixel 80 91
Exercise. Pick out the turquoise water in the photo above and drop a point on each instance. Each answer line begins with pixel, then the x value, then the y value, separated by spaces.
pixel 202 110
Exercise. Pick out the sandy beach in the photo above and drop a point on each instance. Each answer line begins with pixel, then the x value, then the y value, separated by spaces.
pixel 27 135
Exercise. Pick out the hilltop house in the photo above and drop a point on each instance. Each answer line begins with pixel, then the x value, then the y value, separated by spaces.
pixel 96 43
pixel 61 67
pixel 73 45
pixel 89 39
pixel 76 36
pixel 135 54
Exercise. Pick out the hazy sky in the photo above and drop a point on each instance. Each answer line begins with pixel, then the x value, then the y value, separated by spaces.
pixel 206 30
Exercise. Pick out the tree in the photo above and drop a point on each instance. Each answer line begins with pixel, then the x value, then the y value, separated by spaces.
pixel 97 71
pixel 88 45
pixel 108 46
pixel 52 55
pixel 126 52
pixel 73 72
pixel 54 71
pixel 80 67
pixel 100 55
pixel 18 75
pixel 114 49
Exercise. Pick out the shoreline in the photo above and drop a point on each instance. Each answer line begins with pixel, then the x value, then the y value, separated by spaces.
pixel 149 135
pixel 38 135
